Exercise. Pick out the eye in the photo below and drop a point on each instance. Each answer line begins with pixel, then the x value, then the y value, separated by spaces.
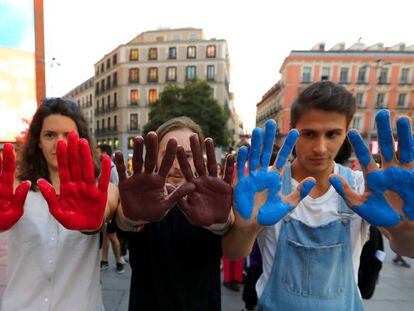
pixel 49 135
pixel 306 134
pixel 331 135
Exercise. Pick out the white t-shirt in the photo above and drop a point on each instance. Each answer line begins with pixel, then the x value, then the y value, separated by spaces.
pixel 48 266
pixel 314 212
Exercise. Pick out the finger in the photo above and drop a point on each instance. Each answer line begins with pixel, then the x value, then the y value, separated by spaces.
pixel 21 194
pixel 103 181
pixel 9 166
pixel 197 155
pixel 211 157
pixel 241 161
pixel 170 188
pixel 179 193
pixel 286 149
pixel 405 141
pixel 88 171
pixel 49 194
pixel 351 197
pixel 73 156
pixel 229 169
pixel 137 160
pixel 255 149
pixel 361 151
pixel 385 137
pixel 169 156
pixel 62 160
pixel 120 166
pixel 269 135
pixel 302 190
pixel 152 151
pixel 184 165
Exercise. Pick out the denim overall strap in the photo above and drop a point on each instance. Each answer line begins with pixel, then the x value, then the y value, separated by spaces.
pixel 312 268
pixel 346 173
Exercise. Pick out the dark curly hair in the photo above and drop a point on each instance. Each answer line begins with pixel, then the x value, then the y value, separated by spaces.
pixel 32 164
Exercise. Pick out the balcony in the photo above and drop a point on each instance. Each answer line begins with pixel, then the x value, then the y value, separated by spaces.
pixel 106 109
pixel 133 129
pixel 106 131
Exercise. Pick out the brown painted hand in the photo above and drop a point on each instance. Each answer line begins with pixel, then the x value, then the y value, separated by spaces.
pixel 210 203
pixel 143 195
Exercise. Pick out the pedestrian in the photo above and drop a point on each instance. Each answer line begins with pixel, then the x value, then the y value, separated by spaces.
pixel 53 244
pixel 110 236
pixel 176 248
pixel 311 217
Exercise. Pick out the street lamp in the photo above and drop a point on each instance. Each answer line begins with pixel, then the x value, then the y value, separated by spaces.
pixel 53 63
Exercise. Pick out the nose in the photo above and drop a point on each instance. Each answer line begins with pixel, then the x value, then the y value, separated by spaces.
pixel 176 165
pixel 320 146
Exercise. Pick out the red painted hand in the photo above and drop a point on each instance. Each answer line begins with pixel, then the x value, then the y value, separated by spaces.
pixel 143 195
pixel 11 205
pixel 80 204
pixel 210 203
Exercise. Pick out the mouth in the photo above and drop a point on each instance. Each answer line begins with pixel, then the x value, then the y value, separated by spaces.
pixel 319 160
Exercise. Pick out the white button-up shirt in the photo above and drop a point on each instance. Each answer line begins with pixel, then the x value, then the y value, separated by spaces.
pixel 48 266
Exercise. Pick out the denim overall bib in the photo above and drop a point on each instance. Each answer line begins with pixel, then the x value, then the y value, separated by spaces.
pixel 313 269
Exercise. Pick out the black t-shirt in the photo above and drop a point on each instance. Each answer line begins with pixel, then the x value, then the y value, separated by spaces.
pixel 175 266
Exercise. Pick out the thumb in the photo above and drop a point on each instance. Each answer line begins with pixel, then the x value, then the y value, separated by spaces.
pixel 21 194
pixel 180 192
pixel 49 194
pixel 302 190
pixel 341 186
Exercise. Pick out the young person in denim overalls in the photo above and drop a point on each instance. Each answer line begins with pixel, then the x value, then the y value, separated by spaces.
pixel 311 217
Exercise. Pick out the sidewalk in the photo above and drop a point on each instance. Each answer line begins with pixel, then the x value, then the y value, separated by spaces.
pixel 394 292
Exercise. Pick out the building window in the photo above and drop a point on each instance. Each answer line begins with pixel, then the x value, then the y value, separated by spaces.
pixel 402 100
pixel 103 124
pixel 153 54
pixel 361 75
pixel 191 52
pixel 102 67
pixel 405 76
pixel 359 98
pixel 133 97
pixel 176 37
pixel 116 143
pixel 133 121
pixel 133 54
pixel 115 99
pixel 190 72
pixel 211 72
pixel 193 36
pixel 343 75
pixel 152 74
pixel 357 123
pixel 134 75
pixel 116 122
pixel 108 82
pixel 380 100
pixel 110 142
pixel 115 79
pixel 172 52
pixel 306 74
pixel 103 103
pixel 171 74
pixel 97 125
pixel 109 123
pixel 383 78
pixel 109 101
pixel 114 59
pixel 211 51
pixel 326 73
pixel 102 85
pixel 152 96
pixel 108 63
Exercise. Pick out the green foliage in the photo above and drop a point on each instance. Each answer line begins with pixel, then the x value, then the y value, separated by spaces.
pixel 195 101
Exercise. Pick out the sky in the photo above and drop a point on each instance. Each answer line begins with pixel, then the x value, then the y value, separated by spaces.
pixel 260 34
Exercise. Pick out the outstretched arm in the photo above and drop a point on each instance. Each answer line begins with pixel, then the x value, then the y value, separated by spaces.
pixel 258 201
pixel 388 201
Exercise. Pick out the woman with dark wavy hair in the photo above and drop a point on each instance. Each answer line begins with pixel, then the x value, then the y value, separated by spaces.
pixel 52 265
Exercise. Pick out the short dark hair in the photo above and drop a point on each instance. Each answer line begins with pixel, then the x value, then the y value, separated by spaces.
pixel 32 164
pixel 106 148
pixel 323 95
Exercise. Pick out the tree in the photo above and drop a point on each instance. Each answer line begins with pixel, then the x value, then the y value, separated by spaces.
pixel 195 101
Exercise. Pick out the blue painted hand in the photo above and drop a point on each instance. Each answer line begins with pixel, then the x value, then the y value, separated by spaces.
pixel 258 192
pixel 378 206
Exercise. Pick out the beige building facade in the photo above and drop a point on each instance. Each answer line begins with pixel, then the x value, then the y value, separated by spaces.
pixel 131 77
